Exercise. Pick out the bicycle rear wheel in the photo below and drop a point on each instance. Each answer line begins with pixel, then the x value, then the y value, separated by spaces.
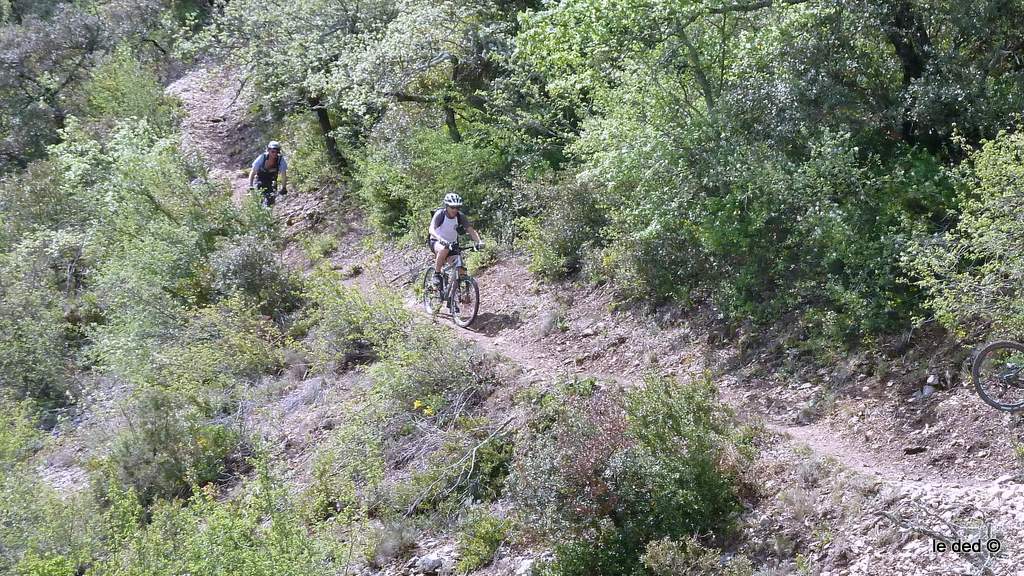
pixel 998 373
pixel 430 296
pixel 466 301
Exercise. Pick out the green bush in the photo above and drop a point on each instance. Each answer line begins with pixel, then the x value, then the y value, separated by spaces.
pixel 346 325
pixel 219 351
pixel 249 266
pixel 35 339
pixel 973 273
pixel 687 556
pixel 609 477
pixel 570 222
pixel 260 533
pixel 423 372
pixel 400 194
pixel 18 434
pixel 35 199
pixel 122 87
pixel 309 165
pixel 478 540
pixel 319 246
pixel 43 532
pixel 480 260
pixel 470 466
pixel 348 470
pixel 167 448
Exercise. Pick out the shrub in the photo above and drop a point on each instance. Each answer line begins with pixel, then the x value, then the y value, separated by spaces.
pixel 309 165
pixel 122 87
pixel 570 222
pixel 348 470
pixel 259 533
pixel 614 476
pixel 18 434
pixel 973 273
pixel 346 325
pixel 37 343
pixel 45 533
pixel 167 448
pixel 470 466
pixel 687 556
pixel 391 539
pixel 318 246
pixel 219 350
pixel 249 266
pixel 478 261
pixel 35 199
pixel 401 193
pixel 425 372
pixel 478 540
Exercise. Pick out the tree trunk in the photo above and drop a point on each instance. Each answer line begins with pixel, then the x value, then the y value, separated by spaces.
pixel 324 119
pixel 910 40
pixel 453 128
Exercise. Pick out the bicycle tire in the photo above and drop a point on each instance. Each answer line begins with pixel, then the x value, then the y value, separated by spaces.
pixel 469 284
pixel 431 299
pixel 982 384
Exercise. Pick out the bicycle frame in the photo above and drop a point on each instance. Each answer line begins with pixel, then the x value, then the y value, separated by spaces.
pixel 458 290
pixel 452 272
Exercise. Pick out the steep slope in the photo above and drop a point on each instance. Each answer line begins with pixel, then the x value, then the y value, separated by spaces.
pixel 839 476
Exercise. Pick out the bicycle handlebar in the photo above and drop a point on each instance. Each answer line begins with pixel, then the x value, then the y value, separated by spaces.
pixel 456 244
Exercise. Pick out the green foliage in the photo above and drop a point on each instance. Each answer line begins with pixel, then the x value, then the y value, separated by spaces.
pixel 53 46
pixel 309 164
pixel 123 87
pixel 259 533
pixel 247 265
pixel 570 222
pixel 18 434
pixel 348 324
pixel 424 372
pixel 972 273
pixel 167 448
pixel 401 193
pixel 687 556
pixel 45 533
pixel 479 260
pixel 478 540
pixel 471 466
pixel 615 476
pixel 319 246
pixel 218 352
pixel 348 470
pixel 34 336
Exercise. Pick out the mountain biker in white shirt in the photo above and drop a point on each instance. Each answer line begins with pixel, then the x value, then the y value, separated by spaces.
pixel 445 226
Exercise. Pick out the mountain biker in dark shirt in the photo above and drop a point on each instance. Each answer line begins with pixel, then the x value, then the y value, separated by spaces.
pixel 445 226
pixel 265 171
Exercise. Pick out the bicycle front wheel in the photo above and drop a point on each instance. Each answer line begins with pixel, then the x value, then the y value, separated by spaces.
pixel 430 297
pixel 465 301
pixel 997 373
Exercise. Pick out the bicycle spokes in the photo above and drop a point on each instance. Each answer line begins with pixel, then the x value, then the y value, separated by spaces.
pixel 999 375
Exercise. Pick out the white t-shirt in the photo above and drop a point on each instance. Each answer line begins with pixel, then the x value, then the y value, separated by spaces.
pixel 445 228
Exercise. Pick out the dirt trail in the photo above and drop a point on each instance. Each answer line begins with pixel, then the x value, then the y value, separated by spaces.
pixel 214 126
pixel 819 438
pixel 517 321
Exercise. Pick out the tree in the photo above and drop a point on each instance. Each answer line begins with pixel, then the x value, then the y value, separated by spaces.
pixel 48 51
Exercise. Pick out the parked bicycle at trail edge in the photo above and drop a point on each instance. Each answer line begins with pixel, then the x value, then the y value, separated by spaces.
pixel 996 371
pixel 458 290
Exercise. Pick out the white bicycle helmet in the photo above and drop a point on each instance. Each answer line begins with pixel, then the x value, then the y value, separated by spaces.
pixel 274 145
pixel 452 199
